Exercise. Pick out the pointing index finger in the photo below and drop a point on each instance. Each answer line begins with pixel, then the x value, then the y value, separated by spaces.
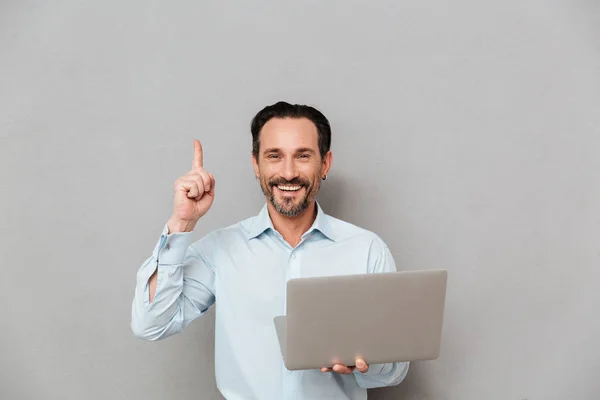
pixel 197 154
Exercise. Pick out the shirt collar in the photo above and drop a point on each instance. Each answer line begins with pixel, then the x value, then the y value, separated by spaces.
pixel 262 222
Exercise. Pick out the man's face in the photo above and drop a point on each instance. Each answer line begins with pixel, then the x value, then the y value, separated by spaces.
pixel 289 165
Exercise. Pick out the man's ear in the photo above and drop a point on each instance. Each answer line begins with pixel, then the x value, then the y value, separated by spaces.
pixel 326 164
pixel 255 165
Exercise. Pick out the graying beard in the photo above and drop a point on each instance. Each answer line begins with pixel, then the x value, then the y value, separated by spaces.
pixel 294 211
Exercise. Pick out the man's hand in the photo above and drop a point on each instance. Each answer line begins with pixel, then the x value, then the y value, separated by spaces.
pixel 361 366
pixel 194 194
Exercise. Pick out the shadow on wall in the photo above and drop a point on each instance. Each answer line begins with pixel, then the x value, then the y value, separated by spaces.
pixel 335 197
pixel 412 388
pixel 353 201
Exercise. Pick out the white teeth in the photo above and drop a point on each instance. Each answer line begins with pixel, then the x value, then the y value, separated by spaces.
pixel 289 188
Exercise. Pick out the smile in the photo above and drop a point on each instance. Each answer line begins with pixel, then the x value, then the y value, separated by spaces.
pixel 289 188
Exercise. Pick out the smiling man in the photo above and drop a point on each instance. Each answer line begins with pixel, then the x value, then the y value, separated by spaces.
pixel 246 265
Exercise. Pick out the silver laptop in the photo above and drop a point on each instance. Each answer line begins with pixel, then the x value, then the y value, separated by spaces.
pixel 382 317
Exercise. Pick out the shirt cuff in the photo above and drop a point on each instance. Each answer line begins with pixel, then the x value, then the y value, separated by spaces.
pixel 171 248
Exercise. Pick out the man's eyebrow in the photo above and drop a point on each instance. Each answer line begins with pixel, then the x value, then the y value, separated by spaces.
pixel 305 150
pixel 271 150
pixel 300 150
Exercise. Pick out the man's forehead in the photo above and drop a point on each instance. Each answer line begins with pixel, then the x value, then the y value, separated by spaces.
pixel 289 130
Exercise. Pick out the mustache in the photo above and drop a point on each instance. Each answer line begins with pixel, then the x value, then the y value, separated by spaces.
pixel 294 182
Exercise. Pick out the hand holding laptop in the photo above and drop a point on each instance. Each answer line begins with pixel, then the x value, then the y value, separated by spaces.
pixel 361 365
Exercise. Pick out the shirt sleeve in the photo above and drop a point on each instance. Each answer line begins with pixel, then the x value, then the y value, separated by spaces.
pixel 388 374
pixel 185 288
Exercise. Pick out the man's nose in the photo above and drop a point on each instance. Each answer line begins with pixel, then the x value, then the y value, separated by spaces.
pixel 289 170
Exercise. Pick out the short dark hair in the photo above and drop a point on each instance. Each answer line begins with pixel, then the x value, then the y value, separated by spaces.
pixel 282 109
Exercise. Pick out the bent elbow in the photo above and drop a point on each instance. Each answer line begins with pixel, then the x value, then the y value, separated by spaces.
pixel 401 370
pixel 139 331
pixel 391 374
pixel 143 331
pixel 150 332
pixel 144 327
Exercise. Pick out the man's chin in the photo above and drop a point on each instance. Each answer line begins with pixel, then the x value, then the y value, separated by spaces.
pixel 290 210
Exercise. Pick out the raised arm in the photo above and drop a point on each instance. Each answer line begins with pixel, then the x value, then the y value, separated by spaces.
pixel 176 284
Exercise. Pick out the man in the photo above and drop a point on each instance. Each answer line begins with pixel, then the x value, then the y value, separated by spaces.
pixel 244 267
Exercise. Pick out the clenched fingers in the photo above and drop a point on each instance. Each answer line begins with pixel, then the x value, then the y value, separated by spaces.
pixel 193 187
pixel 206 178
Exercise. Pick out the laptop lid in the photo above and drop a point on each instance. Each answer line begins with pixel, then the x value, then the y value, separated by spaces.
pixel 383 317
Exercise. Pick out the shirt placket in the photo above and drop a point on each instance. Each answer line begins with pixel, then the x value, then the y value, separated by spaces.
pixel 293 270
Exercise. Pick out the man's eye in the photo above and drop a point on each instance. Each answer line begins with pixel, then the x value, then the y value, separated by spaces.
pixel 304 156
pixel 272 156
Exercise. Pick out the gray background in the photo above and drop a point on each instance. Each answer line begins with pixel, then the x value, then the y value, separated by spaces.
pixel 465 134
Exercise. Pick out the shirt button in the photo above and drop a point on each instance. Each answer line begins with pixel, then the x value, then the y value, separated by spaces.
pixel 293 255
pixel 168 246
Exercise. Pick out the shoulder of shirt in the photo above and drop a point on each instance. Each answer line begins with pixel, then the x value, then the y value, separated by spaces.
pixel 345 230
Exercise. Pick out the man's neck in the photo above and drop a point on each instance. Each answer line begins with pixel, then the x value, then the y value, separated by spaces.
pixel 292 228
